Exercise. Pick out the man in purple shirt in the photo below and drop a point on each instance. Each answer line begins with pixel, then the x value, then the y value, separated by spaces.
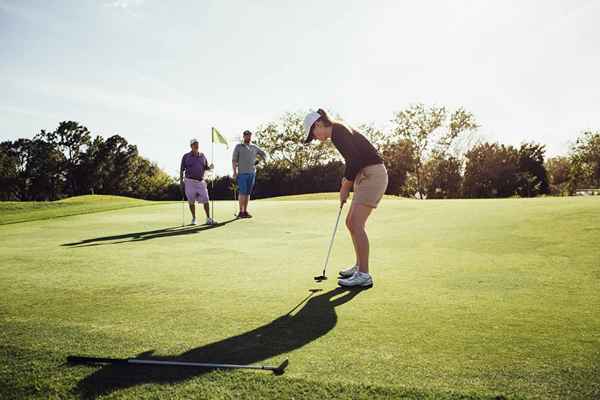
pixel 193 165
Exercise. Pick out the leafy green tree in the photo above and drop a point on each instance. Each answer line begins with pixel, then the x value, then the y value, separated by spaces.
pixel 491 171
pixel 585 160
pixel 44 171
pixel 283 140
pixel 148 181
pixel 115 165
pixel 559 175
pixel 430 128
pixel 72 141
pixel 532 175
pixel 376 136
pixel 9 173
pixel 443 177
pixel 399 160
pixel 20 151
pixel 88 170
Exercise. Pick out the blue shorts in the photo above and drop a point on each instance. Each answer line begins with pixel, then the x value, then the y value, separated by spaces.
pixel 245 183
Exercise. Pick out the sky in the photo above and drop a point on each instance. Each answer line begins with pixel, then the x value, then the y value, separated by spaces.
pixel 159 73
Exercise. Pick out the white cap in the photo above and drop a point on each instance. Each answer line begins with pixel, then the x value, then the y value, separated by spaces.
pixel 194 140
pixel 309 120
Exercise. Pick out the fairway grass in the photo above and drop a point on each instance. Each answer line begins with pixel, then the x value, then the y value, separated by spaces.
pixel 21 211
pixel 472 299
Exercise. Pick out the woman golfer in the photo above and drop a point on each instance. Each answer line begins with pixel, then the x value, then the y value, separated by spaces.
pixel 366 172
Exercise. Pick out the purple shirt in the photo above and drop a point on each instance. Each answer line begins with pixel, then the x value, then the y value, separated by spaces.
pixel 193 165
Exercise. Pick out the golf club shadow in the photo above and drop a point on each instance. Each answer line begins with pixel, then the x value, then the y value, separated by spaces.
pixel 146 235
pixel 284 334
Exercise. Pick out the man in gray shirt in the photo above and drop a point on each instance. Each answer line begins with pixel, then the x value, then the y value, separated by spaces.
pixel 244 170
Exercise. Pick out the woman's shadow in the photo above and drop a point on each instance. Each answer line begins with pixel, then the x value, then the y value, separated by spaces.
pixel 284 334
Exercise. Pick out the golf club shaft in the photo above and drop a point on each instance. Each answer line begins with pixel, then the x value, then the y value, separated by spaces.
pixel 95 360
pixel 195 364
pixel 332 238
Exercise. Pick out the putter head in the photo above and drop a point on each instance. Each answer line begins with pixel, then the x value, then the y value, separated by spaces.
pixel 320 278
pixel 281 368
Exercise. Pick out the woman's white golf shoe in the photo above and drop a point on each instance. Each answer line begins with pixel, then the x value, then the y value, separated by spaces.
pixel 359 279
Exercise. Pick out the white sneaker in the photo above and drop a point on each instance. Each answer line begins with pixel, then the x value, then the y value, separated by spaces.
pixel 359 279
pixel 193 221
pixel 210 221
pixel 348 272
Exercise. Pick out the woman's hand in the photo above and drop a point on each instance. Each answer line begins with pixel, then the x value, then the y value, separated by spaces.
pixel 344 194
pixel 345 190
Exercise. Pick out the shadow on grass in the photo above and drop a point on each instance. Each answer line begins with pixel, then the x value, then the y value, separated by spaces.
pixel 147 235
pixel 280 336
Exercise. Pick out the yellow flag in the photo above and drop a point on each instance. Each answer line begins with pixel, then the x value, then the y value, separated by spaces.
pixel 218 138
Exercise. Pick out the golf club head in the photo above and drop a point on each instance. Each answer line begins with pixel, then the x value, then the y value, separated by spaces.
pixel 281 368
pixel 320 278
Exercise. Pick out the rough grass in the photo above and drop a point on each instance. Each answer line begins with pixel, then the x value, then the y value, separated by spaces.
pixel 472 300
pixel 22 211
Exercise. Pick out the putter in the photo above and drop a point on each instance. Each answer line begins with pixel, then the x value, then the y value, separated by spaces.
pixel 278 370
pixel 323 277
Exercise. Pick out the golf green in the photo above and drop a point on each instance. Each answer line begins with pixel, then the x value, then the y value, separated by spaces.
pixel 471 299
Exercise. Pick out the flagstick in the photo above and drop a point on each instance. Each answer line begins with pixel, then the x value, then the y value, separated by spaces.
pixel 212 182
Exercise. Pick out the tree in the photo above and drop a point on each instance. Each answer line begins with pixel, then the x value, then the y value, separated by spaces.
pixel 430 129
pixel 88 170
pixel 72 140
pixel 399 159
pixel 532 176
pixel 45 178
pixel 9 173
pixel 377 137
pixel 20 152
pixel 283 140
pixel 115 163
pixel 443 177
pixel 148 181
pixel 585 160
pixel 491 171
pixel 67 161
pixel 559 175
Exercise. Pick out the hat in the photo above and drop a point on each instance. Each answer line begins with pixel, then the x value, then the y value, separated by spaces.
pixel 309 120
pixel 194 140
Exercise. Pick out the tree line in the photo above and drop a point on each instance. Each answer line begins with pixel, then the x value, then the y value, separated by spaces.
pixel 429 151
pixel 69 162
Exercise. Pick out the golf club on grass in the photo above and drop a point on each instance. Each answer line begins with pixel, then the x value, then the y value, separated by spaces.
pixel 278 370
pixel 323 277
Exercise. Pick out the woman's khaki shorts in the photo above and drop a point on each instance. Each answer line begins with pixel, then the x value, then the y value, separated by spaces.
pixel 370 185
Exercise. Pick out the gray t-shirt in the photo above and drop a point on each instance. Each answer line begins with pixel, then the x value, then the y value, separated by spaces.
pixel 245 156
